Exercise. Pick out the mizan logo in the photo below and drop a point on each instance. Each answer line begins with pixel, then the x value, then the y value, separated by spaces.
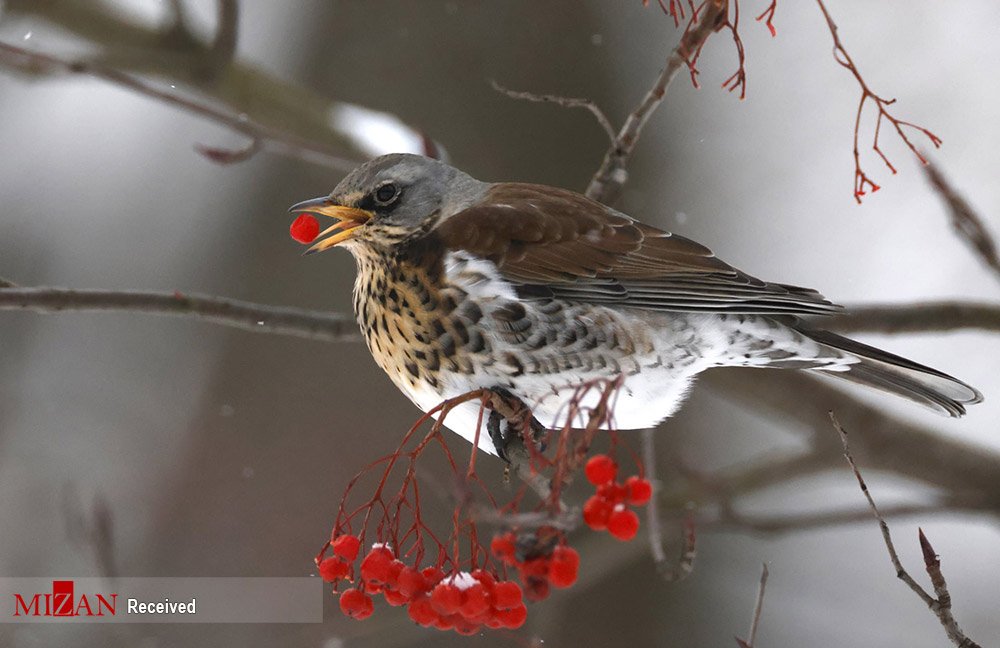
pixel 62 603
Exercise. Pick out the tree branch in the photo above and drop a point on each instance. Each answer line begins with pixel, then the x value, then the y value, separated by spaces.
pixel 611 176
pixel 968 225
pixel 262 137
pixel 932 317
pixel 330 327
pixel 861 179
pixel 565 102
pixel 752 635
pixel 941 606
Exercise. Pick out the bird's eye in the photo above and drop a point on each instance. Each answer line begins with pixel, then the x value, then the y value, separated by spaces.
pixel 386 193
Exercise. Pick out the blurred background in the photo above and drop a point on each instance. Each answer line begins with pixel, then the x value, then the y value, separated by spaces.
pixel 218 452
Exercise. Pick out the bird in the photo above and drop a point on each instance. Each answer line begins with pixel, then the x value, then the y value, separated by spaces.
pixel 525 289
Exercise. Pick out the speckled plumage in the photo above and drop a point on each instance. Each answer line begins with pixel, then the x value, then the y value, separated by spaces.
pixel 464 285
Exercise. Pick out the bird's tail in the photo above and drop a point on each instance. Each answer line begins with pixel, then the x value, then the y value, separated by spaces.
pixel 891 373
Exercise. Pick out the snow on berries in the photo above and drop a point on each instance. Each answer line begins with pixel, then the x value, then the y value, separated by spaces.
pixel 465 602
pixel 607 510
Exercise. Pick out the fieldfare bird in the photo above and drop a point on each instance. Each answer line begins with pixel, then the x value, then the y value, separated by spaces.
pixel 524 288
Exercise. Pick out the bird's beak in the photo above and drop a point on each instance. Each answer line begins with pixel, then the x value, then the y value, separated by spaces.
pixel 348 220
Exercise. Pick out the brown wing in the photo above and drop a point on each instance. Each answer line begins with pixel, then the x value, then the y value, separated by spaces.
pixel 556 243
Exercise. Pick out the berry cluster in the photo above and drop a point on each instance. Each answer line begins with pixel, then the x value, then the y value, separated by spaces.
pixel 540 565
pixel 459 601
pixel 608 508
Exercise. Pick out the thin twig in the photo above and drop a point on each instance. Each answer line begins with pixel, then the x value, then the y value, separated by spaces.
pixel 270 139
pixel 941 606
pixel 223 47
pixel 565 102
pixel 967 223
pixel 653 510
pixel 861 179
pixel 611 176
pixel 931 317
pixel 259 318
pixel 752 636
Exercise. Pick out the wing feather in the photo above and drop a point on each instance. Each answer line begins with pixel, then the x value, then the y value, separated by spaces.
pixel 557 243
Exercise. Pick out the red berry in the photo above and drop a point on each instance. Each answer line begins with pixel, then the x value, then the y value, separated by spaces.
pixel 422 612
pixel 623 524
pixel 639 490
pixel 502 547
pixel 534 568
pixel 432 575
pixel 370 587
pixel 466 627
pixel 476 600
pixel 596 512
pixel 333 569
pixel 346 546
pixel 375 568
pixel 446 621
pixel 305 229
pixel 613 492
pixel 485 578
pixel 600 469
pixel 513 618
pixel 355 604
pixel 446 598
pixel 396 598
pixel 536 589
pixel 564 566
pixel 507 595
pixel 411 582
pixel 392 577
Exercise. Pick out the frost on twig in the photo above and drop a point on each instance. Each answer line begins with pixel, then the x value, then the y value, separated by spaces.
pixel 941 606
pixel 862 182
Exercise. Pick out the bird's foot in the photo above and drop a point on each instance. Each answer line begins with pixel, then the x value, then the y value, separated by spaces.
pixel 504 406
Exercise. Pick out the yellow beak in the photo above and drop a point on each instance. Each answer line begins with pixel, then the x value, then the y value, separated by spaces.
pixel 348 220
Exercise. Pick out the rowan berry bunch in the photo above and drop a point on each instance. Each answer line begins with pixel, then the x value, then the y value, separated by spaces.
pixel 451 581
pixel 608 508
pixel 462 601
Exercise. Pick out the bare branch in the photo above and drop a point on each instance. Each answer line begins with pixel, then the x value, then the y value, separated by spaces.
pixel 259 318
pixel 932 317
pixel 611 176
pixel 861 179
pixel 229 156
pixel 968 225
pixel 270 139
pixel 967 471
pixel 684 566
pixel 223 48
pixel 752 636
pixel 941 606
pixel 565 102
